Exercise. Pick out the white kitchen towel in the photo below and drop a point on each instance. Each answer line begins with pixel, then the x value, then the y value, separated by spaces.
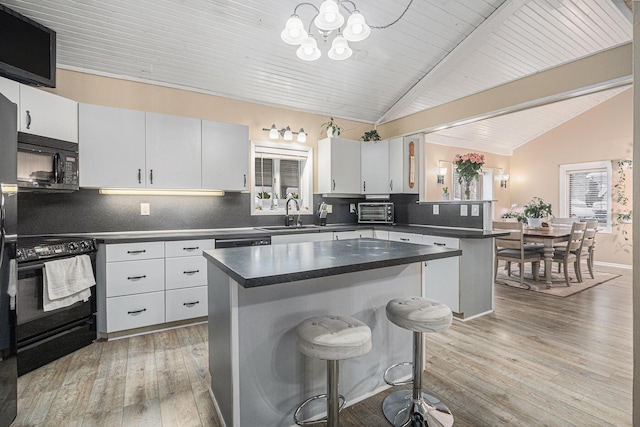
pixel 67 281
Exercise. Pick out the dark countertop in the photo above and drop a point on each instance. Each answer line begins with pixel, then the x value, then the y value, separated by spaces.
pixel 267 265
pixel 231 233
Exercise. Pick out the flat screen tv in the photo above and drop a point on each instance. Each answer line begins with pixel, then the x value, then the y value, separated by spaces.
pixel 27 50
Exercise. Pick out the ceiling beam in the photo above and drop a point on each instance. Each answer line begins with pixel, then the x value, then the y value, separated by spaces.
pixel 603 70
pixel 452 60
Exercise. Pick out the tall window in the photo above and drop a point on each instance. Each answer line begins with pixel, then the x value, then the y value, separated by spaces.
pixel 281 171
pixel 585 192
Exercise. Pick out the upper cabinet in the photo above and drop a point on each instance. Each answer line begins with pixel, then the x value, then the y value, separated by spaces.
pixel 374 164
pixel 404 155
pixel 173 153
pixel 46 114
pixel 339 166
pixel 11 90
pixel 112 147
pixel 225 156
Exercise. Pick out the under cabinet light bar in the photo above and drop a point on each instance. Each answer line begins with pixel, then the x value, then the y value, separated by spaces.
pixel 152 192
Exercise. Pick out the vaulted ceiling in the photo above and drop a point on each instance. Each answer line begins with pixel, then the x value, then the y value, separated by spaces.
pixel 439 51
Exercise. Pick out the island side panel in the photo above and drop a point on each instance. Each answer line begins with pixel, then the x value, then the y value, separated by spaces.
pixel 220 341
pixel 275 377
pixel 476 278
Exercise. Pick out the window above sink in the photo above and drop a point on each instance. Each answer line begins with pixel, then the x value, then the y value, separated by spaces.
pixel 281 170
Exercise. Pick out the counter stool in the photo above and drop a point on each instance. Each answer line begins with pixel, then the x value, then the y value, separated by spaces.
pixel 331 338
pixel 413 407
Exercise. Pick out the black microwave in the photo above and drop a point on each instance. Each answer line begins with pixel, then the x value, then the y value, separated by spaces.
pixel 46 164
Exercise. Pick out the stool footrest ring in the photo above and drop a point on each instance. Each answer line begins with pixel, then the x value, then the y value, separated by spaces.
pixel 396 383
pixel 309 400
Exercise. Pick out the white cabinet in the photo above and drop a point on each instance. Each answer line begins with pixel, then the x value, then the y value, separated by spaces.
pixel 11 90
pixel 353 234
pixel 225 156
pixel 400 161
pixel 173 152
pixel 442 276
pixel 405 237
pixel 112 147
pixel 186 279
pixel 381 234
pixel 135 277
pixel 374 166
pixel 134 311
pixel 46 114
pixel 302 237
pixel 338 166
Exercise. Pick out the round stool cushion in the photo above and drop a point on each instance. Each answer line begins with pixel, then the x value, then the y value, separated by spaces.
pixel 419 314
pixel 333 337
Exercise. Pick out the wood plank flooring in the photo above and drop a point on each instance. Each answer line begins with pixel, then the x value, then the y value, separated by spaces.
pixel 538 360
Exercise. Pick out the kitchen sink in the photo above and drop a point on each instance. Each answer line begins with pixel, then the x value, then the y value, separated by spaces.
pixel 287 227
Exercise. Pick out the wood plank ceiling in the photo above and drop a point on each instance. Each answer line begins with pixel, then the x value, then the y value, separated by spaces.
pixel 441 50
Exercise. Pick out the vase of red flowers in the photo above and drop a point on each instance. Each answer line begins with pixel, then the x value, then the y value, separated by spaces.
pixel 468 166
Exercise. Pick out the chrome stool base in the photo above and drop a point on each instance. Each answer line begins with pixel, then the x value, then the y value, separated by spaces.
pixel 401 410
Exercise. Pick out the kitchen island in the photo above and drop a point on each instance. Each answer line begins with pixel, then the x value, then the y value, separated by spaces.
pixel 257 297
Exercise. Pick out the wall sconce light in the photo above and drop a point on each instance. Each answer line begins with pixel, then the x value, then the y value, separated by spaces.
pixel 286 133
pixel 441 173
pixel 503 180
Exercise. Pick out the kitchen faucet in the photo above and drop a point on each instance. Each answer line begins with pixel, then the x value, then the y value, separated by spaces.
pixel 288 220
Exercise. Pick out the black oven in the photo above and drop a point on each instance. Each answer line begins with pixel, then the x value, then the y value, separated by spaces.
pixel 44 336
pixel 47 164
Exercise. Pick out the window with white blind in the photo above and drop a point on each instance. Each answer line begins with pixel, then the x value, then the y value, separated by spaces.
pixel 585 192
pixel 476 188
pixel 281 171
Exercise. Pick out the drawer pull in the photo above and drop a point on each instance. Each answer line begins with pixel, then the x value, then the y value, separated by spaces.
pixel 404 239
pixel 439 244
pixel 133 313
pixel 191 272
pixel 137 252
pixel 191 304
pixel 191 249
pixel 137 277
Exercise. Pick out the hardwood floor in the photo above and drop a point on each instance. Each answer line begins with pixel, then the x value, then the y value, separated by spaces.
pixel 538 360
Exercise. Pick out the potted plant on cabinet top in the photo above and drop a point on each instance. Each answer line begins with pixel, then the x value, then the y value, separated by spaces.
pixel 536 211
pixel 445 193
pixel 332 128
pixel 371 135
pixel 265 200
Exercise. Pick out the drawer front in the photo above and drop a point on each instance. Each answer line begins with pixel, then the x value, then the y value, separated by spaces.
pixel 181 248
pixel 134 251
pixel 405 237
pixel 185 272
pixel 446 242
pixel 135 311
pixel 186 303
pixel 135 277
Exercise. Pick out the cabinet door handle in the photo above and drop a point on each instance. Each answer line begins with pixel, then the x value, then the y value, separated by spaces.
pixel 245 180
pixel 134 312
pixel 151 176
pixel 404 239
pixel 137 277
pixel 139 176
pixel 364 186
pixel 334 184
pixel 137 252
pixel 191 272
pixel 28 120
pixel 191 304
pixel 391 185
pixel 439 244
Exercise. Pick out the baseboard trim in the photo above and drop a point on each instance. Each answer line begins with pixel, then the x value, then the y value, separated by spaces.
pixel 217 408
pixel 613 264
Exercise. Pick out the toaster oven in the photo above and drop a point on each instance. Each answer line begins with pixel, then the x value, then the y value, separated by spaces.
pixel 381 212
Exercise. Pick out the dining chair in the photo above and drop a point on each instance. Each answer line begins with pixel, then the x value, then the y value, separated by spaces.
pixel 570 254
pixel 512 250
pixel 589 246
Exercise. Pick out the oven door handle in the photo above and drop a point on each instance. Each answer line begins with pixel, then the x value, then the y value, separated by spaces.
pixel 30 267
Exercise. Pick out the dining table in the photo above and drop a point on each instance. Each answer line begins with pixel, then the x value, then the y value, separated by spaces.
pixel 549 237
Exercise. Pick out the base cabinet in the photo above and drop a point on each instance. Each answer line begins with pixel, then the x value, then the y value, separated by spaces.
pixel 151 283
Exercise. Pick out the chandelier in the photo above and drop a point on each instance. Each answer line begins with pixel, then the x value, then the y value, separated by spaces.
pixel 326 20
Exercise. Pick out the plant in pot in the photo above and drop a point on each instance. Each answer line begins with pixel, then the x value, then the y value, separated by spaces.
pixel 332 128
pixel 536 211
pixel 445 193
pixel 371 135
pixel 265 199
